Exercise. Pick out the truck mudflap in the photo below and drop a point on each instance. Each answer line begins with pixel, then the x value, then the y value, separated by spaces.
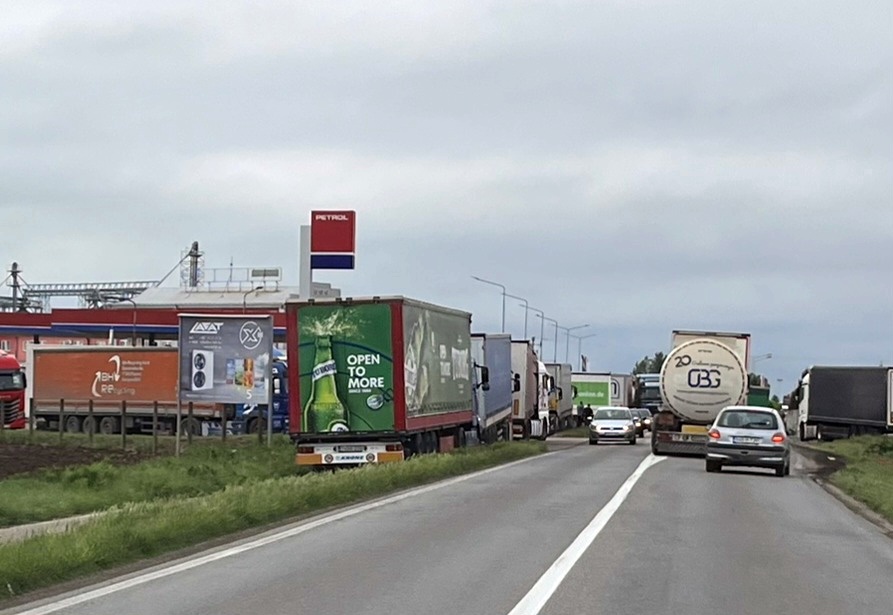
pixel 680 443
pixel 349 453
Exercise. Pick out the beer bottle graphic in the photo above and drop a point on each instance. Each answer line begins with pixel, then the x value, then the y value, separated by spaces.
pixel 324 411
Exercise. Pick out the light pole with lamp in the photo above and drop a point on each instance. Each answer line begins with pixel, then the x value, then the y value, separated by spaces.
pixel 133 324
pixel 526 308
pixel 503 296
pixel 580 339
pixel 541 314
pixel 555 351
pixel 245 297
pixel 567 343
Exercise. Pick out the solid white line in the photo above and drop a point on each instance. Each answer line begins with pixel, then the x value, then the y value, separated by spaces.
pixel 540 593
pixel 148 577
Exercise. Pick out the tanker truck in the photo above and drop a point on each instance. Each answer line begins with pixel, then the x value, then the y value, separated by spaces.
pixel 704 373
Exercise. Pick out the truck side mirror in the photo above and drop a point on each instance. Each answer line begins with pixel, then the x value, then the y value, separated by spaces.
pixel 560 394
pixel 485 377
pixel 516 383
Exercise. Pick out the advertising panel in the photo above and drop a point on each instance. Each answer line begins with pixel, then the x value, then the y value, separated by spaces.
pixel 225 359
pixel 346 368
pixel 103 373
pixel 591 390
pixel 437 361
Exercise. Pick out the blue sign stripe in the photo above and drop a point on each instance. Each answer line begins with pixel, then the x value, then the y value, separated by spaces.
pixel 331 261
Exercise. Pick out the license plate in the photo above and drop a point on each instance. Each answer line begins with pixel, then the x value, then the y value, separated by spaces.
pixel 745 440
pixel 350 448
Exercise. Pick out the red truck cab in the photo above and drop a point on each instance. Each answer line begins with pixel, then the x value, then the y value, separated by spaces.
pixel 12 392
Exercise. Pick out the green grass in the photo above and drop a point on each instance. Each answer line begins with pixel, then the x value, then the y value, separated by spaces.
pixel 148 529
pixel 203 469
pixel 138 443
pixel 868 475
pixel 576 432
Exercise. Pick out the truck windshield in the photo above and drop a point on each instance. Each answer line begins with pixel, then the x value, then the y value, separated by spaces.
pixel 650 394
pixel 12 381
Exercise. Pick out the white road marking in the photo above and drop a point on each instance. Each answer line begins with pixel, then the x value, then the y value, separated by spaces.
pixel 142 579
pixel 543 589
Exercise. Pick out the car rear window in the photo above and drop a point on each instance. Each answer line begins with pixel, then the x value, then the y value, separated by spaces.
pixel 748 419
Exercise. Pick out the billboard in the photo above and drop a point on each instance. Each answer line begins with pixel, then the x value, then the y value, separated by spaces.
pixel 332 239
pixel 592 390
pixel 437 361
pixel 225 359
pixel 346 368
pixel 104 374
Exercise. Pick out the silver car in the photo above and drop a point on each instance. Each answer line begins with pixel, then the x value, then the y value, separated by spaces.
pixel 612 423
pixel 750 436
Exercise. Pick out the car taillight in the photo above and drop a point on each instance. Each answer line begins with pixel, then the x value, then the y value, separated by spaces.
pixel 778 438
pixel 393 448
pixel 305 450
pixel 714 434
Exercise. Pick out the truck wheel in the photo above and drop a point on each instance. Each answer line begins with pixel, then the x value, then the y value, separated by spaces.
pixel 802 432
pixel 253 426
pixel 72 424
pixel 88 425
pixel 109 425
pixel 194 426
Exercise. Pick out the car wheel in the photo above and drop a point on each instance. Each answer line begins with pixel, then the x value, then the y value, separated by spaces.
pixel 633 441
pixel 787 468
pixel 593 442
pixel 712 466
pixel 780 471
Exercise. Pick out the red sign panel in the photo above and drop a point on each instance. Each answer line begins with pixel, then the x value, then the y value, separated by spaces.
pixel 333 231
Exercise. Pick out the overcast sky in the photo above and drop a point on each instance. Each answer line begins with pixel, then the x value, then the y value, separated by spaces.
pixel 633 165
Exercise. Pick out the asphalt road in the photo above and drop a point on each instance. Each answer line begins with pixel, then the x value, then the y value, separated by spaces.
pixel 683 541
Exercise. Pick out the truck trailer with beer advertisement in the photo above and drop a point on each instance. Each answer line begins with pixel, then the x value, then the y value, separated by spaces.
pixel 378 379
pixel 105 389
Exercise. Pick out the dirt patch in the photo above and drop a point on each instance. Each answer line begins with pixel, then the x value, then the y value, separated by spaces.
pixel 16 459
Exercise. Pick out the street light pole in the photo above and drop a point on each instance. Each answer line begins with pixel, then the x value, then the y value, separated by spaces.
pixel 580 339
pixel 526 308
pixel 133 324
pixel 555 350
pixel 567 345
pixel 245 297
pixel 503 296
pixel 542 327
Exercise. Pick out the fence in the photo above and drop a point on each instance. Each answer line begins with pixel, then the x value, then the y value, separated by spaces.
pixel 80 418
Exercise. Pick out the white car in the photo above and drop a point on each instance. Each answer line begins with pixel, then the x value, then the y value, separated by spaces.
pixel 751 436
pixel 612 423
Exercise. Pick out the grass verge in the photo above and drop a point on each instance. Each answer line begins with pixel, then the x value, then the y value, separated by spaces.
pixel 868 475
pixel 201 470
pixel 576 432
pixel 135 442
pixel 139 531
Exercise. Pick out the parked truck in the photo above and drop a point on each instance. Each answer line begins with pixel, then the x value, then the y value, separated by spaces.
pixel 704 372
pixel 526 422
pixel 562 408
pixel 592 390
pixel 547 399
pixel 622 390
pixel 493 402
pixel 647 395
pixel 123 384
pixel 839 402
pixel 378 379
pixel 12 393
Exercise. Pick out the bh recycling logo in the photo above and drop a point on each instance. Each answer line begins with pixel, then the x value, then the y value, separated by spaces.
pixel 251 335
